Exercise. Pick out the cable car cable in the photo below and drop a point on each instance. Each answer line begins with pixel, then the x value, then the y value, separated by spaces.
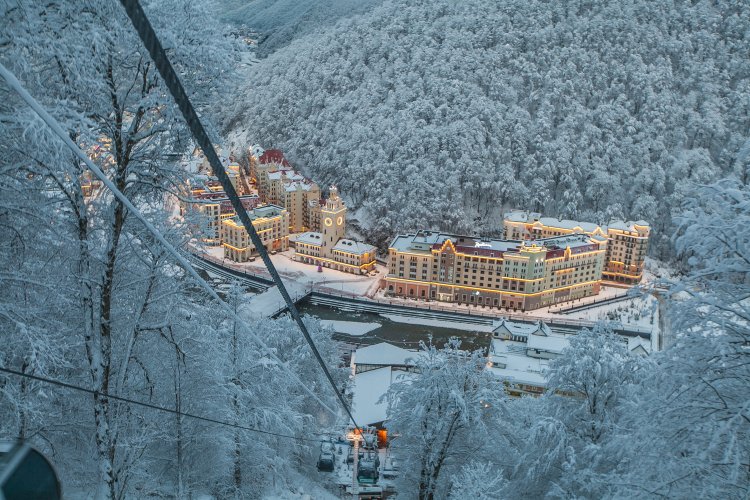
pixel 153 406
pixel 58 131
pixel 153 45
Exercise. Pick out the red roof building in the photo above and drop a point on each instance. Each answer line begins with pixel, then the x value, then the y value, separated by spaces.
pixel 274 156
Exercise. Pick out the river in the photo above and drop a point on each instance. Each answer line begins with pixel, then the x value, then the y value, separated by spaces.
pixel 402 334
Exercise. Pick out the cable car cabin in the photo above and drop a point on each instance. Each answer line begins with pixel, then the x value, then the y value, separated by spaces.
pixel 325 462
pixel 26 475
pixel 326 458
pixel 367 471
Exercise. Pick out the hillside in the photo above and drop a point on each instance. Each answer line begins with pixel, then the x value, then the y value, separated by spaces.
pixel 430 114
pixel 278 22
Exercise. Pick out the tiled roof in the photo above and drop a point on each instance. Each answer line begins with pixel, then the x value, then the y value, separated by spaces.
pixel 273 156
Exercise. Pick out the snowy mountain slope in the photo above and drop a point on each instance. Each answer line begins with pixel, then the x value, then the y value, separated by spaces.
pixel 281 21
pixel 431 114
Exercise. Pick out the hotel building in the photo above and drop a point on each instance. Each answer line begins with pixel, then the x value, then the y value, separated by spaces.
pixel 279 184
pixel 272 225
pixel 626 248
pixel 214 206
pixel 495 273
pixel 329 248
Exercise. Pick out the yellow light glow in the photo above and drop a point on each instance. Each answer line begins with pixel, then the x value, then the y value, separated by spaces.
pixel 336 261
pixel 492 290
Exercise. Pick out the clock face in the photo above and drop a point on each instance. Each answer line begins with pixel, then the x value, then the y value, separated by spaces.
pixel 340 220
pixel 328 221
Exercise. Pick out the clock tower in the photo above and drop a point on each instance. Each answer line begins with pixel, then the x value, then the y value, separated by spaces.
pixel 332 220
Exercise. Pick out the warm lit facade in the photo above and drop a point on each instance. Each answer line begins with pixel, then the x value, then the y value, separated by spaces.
pixel 626 248
pixel 295 197
pixel 495 273
pixel 213 206
pixel 271 160
pixel 271 222
pixel 329 248
pixel 279 184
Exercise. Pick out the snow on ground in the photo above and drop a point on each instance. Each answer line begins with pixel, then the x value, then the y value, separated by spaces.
pixel 606 292
pixel 297 486
pixel 354 328
pixel 305 274
pixel 638 311
pixel 458 325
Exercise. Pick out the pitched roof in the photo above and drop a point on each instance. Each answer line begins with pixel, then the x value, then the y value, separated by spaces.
pixel 383 354
pixel 367 390
pixel 351 246
pixel 273 156
pixel 310 237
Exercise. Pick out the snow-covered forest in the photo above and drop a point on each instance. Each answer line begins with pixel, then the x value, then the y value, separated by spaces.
pixel 427 115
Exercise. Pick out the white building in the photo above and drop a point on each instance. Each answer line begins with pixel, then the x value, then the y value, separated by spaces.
pixel 520 354
pixel 374 369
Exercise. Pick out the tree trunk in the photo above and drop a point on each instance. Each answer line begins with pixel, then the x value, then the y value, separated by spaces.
pixel 178 417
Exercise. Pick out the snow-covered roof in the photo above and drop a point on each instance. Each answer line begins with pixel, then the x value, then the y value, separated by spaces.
pixel 352 246
pixel 588 227
pixel 310 237
pixel 551 344
pixel 265 211
pixel 298 185
pixel 627 226
pixel 569 240
pixel 423 241
pixel 568 224
pixel 503 326
pixel 383 354
pixel 510 362
pixel 639 345
pixel 368 388
pixel 521 216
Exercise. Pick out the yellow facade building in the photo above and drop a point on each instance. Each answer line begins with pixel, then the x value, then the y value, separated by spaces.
pixel 272 225
pixel 328 247
pixel 495 273
pixel 626 248
pixel 279 184
pixel 212 206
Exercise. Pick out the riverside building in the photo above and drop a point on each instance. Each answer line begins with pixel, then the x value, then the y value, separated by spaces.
pixel 272 225
pixel 213 207
pixel 328 247
pixel 514 275
pixel 626 248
